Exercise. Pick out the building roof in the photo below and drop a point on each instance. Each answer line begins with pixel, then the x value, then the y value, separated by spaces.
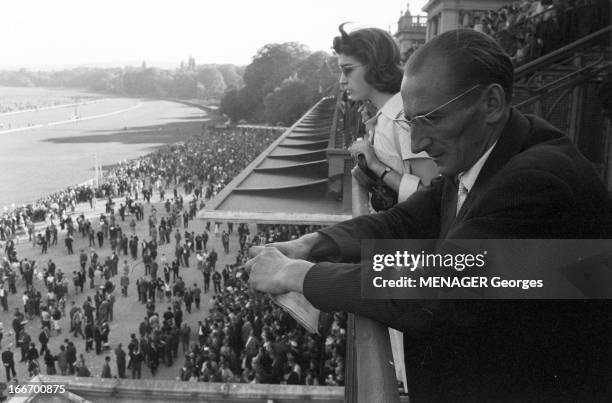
pixel 288 182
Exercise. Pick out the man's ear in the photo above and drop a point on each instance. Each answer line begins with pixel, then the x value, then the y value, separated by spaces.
pixel 495 103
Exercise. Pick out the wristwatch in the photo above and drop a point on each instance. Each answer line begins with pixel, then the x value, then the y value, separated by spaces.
pixel 385 172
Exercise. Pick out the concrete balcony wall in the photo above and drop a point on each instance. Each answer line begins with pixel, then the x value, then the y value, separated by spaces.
pixel 159 391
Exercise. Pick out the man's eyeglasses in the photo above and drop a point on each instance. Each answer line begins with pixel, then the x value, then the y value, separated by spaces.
pixel 348 68
pixel 424 120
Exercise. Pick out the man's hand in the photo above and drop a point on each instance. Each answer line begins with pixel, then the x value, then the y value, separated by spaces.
pixel 297 249
pixel 273 272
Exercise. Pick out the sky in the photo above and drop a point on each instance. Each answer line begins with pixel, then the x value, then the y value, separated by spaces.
pixel 60 33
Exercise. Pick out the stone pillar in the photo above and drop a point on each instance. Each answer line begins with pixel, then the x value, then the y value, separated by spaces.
pixel 450 20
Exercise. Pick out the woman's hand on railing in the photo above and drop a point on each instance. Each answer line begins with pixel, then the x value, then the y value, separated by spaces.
pixel 363 146
pixel 363 179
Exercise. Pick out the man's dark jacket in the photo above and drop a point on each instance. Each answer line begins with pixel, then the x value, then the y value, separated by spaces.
pixel 535 184
pixel 7 357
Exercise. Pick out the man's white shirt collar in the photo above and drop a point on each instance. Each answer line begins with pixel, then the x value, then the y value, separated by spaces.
pixel 468 178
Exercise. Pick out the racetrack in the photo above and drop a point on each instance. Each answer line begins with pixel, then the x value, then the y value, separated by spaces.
pixel 35 161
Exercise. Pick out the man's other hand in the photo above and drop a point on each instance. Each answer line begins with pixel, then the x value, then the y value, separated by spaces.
pixel 273 272
pixel 297 249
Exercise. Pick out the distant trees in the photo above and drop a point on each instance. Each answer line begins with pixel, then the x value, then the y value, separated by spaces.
pixel 190 82
pixel 232 75
pixel 142 83
pixel 233 104
pixel 281 83
pixel 191 65
pixel 270 66
pixel 320 73
pixel 212 81
pixel 286 103
pixel 184 86
pixel 21 78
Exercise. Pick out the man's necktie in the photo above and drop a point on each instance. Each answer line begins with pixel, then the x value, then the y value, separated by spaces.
pixel 462 193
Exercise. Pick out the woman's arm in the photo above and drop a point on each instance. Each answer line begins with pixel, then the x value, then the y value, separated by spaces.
pixel 418 172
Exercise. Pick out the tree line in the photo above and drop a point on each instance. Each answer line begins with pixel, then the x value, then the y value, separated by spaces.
pixel 279 85
pixel 282 82
pixel 187 82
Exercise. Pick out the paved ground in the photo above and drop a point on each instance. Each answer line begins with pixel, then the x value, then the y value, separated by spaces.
pixel 128 311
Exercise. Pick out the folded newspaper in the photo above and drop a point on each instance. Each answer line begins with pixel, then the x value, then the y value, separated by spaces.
pixel 303 311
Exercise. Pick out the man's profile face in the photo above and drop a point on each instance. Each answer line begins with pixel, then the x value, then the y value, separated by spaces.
pixel 456 138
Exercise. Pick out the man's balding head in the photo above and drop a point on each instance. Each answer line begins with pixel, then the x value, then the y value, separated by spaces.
pixel 456 94
pixel 470 56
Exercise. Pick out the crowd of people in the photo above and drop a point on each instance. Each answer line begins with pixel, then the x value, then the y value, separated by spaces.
pixel 245 338
pixel 214 158
pixel 54 208
pixel 46 290
pixel 531 28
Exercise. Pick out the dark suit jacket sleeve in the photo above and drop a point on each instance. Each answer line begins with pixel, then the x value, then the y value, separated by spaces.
pixel 517 205
pixel 417 217
pixel 337 287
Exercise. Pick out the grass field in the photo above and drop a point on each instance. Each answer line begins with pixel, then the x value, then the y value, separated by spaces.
pixel 37 161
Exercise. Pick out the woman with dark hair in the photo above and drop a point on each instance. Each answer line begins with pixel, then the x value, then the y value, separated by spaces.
pixel 369 61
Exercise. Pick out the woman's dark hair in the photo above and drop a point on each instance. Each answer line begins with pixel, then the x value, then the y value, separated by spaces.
pixel 375 49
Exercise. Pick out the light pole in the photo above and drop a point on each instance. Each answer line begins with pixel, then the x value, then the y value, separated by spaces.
pixel 96 170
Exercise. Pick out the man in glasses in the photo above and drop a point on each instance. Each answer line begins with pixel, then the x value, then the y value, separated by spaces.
pixel 503 175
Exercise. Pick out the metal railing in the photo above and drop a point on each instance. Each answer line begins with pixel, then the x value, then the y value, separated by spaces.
pixel 559 87
pixel 561 54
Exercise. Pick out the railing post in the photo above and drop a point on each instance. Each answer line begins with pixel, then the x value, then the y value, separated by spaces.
pixel 576 106
pixel 608 154
pixel 537 107
pixel 370 372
